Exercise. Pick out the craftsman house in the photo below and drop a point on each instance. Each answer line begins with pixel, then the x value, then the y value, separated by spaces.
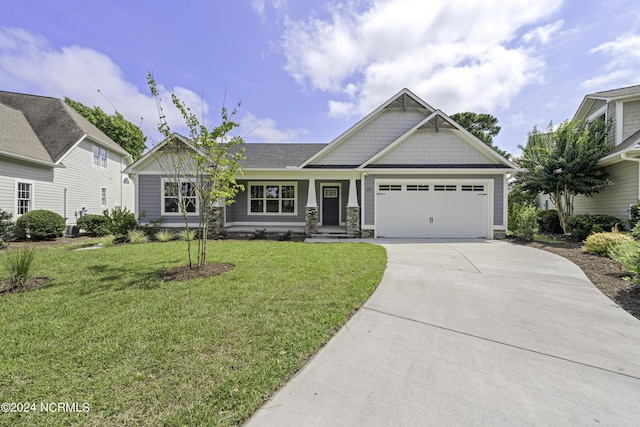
pixel 404 170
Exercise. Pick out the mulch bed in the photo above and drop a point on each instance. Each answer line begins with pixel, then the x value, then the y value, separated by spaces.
pixel 32 283
pixel 184 273
pixel 603 272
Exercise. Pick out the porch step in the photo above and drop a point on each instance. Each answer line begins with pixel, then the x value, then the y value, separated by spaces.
pixel 332 236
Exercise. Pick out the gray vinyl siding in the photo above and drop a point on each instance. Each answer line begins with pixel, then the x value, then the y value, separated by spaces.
pixel 430 147
pixel 372 137
pixel 611 115
pixel 498 193
pixel 613 199
pixel 150 202
pixel 631 119
pixel 239 211
pixel 599 103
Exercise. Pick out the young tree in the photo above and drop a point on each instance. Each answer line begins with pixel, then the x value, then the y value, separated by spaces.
pixel 564 163
pixel 116 127
pixel 199 171
pixel 482 126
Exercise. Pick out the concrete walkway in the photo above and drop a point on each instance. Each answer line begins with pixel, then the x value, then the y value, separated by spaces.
pixel 472 333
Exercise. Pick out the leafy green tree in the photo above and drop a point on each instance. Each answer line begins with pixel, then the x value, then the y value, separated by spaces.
pixel 203 167
pixel 115 126
pixel 482 126
pixel 564 163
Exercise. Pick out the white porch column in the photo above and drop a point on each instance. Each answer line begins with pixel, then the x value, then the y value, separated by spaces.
pixel 353 194
pixel 311 195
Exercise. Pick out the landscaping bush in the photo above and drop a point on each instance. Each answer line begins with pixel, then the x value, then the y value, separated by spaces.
pixel 164 235
pixel 17 265
pixel 41 224
pixel 583 225
pixel 634 214
pixel 600 243
pixel 627 254
pixel 187 235
pixel 122 221
pixel 95 225
pixel 526 222
pixel 6 228
pixel 137 236
pixel 549 222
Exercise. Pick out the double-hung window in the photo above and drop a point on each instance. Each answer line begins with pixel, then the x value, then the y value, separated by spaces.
pixel 24 197
pixel 179 196
pixel 103 197
pixel 99 157
pixel 273 198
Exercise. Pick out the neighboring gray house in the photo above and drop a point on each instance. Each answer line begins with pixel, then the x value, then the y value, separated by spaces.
pixel 622 164
pixel 404 170
pixel 52 158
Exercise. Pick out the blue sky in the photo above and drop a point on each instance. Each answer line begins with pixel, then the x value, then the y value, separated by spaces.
pixel 305 71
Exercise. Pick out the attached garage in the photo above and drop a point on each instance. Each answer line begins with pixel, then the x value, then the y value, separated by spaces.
pixel 433 209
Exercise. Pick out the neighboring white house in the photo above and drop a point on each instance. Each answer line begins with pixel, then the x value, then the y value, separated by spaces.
pixel 52 158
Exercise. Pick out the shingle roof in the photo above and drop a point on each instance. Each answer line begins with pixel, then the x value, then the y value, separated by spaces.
pixel 275 156
pixel 628 143
pixel 615 93
pixel 57 125
pixel 18 138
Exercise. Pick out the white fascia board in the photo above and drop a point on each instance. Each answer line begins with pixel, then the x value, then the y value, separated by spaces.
pixel 30 160
pixel 360 124
pixel 142 161
pixel 439 171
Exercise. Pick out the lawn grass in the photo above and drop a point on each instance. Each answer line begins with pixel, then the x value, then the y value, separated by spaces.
pixel 546 239
pixel 107 332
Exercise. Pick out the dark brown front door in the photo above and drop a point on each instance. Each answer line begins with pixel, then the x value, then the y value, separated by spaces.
pixel 330 205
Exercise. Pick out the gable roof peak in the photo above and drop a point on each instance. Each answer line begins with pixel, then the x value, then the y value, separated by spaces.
pixel 615 93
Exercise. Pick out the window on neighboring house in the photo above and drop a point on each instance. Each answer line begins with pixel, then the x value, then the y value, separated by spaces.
pixel 273 198
pixel 103 197
pixel 24 197
pixel 177 195
pixel 99 157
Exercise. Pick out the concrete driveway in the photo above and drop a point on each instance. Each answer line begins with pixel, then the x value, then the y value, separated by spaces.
pixel 472 333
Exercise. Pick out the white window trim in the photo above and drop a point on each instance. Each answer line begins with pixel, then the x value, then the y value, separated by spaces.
pixel 101 149
pixel 171 181
pixel 279 183
pixel 105 191
pixel 33 195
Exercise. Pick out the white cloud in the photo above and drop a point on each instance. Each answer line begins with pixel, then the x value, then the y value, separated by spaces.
pixel 544 33
pixel 255 129
pixel 623 63
pixel 457 54
pixel 87 76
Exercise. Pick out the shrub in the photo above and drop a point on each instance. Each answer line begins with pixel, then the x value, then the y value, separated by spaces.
pixel 95 225
pixel 187 235
pixel 527 222
pixel 600 243
pixel 549 222
pixel 41 224
pixel 583 225
pixel 627 254
pixel 137 236
pixel 634 214
pixel 6 228
pixel 164 235
pixel 17 265
pixel 107 241
pixel 121 221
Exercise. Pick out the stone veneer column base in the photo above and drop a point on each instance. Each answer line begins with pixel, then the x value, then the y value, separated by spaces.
pixel 366 234
pixel 216 221
pixel 499 234
pixel 311 221
pixel 353 221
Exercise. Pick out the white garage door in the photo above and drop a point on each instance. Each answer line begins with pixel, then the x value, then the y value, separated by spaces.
pixel 438 210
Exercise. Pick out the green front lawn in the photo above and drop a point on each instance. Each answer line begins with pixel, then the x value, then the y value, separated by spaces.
pixel 107 332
